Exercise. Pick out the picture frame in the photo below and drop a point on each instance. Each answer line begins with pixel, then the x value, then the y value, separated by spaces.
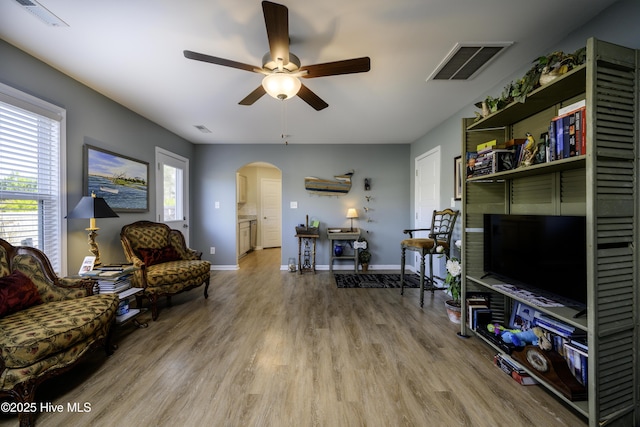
pixel 458 177
pixel 121 180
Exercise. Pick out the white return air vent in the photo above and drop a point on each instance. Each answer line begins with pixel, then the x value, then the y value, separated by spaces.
pixel 466 60
pixel 42 13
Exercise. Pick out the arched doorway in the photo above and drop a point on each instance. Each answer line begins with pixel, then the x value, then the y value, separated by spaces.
pixel 259 208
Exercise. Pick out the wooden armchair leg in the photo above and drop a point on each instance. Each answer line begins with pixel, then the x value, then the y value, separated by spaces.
pixel 153 302
pixel 422 265
pixel 402 263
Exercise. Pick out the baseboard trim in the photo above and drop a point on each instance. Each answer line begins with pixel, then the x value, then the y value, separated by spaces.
pixel 345 267
pixel 225 267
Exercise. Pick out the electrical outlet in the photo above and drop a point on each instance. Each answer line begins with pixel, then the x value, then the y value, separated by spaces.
pixel 213 250
pixel 217 205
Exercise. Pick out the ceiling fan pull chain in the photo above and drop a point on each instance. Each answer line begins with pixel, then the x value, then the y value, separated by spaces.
pixel 283 122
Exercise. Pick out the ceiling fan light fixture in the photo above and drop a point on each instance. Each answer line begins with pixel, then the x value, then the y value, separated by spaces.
pixel 281 85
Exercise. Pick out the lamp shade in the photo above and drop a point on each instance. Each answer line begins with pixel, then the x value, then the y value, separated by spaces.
pixel 352 213
pixel 281 85
pixel 92 207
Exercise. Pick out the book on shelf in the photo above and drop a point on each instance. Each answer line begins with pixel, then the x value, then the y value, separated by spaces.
pixel 115 267
pixel 478 309
pixel 114 289
pixel 554 324
pixel 572 108
pixel 486 145
pixel 115 286
pixel 577 359
pixel 551 149
pixel 568 134
pixel 513 369
pixel 110 275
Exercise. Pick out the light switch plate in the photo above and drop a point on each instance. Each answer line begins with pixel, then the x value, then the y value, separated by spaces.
pixel 293 205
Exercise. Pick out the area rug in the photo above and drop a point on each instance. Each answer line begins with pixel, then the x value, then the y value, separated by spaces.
pixel 376 280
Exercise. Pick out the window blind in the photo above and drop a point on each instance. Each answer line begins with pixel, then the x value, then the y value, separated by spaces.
pixel 30 176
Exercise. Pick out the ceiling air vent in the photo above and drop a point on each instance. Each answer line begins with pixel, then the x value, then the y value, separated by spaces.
pixel 466 60
pixel 202 128
pixel 42 13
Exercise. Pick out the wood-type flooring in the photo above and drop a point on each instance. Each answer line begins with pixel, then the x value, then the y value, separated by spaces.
pixel 273 348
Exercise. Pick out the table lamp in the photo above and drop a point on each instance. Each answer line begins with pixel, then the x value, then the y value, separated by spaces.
pixel 352 213
pixel 92 207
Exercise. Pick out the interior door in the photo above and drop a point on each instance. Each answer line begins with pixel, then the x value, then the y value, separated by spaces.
pixel 271 217
pixel 172 191
pixel 427 196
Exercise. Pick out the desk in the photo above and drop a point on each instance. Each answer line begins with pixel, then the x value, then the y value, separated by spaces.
pixel 343 235
pixel 307 259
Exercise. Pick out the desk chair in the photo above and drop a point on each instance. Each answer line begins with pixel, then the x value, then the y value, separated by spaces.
pixel 442 224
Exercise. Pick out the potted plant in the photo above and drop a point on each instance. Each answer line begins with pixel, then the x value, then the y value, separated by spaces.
pixel 544 69
pixel 364 256
pixel 453 283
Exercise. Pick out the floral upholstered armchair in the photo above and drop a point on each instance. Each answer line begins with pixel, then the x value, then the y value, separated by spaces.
pixel 165 265
pixel 48 324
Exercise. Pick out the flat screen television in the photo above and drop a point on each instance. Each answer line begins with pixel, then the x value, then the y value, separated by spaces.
pixel 541 251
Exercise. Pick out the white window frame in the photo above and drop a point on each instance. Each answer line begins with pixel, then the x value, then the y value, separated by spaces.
pixel 19 99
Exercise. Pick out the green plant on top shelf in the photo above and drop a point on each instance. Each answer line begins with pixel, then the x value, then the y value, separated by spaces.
pixel 544 69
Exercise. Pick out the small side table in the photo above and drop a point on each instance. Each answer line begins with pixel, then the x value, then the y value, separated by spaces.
pixel 133 313
pixel 307 259
pixel 343 235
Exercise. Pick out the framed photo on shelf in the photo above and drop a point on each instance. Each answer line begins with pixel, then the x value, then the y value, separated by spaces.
pixel 458 177
pixel 122 181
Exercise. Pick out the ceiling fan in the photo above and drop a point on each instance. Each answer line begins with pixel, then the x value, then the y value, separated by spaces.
pixel 282 68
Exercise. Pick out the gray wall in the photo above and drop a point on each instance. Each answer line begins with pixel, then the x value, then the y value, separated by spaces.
pixel 385 165
pixel 96 120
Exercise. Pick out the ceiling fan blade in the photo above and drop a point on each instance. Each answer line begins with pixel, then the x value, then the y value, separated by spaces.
pixel 311 98
pixel 276 19
pixel 218 61
pixel 253 96
pixel 347 66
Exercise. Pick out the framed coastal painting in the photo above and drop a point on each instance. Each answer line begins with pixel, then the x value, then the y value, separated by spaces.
pixel 458 177
pixel 122 181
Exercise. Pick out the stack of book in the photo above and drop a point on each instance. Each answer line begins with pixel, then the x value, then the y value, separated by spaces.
pixel 493 156
pixel 119 284
pixel 567 132
pixel 513 369
pixel 113 278
pixel 478 310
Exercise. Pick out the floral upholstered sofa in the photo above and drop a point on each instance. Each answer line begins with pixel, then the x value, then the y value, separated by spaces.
pixel 47 324
pixel 165 265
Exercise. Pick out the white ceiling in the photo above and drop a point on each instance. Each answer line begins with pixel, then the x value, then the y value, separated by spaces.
pixel 131 51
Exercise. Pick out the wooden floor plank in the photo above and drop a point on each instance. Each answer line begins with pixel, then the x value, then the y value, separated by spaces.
pixel 273 348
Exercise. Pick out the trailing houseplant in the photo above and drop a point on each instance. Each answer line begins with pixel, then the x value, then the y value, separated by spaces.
pixel 544 69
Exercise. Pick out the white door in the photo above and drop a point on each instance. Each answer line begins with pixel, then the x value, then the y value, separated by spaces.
pixel 172 191
pixel 427 196
pixel 270 218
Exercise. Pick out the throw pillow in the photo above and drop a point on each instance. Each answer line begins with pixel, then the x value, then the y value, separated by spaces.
pixel 152 256
pixel 17 292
